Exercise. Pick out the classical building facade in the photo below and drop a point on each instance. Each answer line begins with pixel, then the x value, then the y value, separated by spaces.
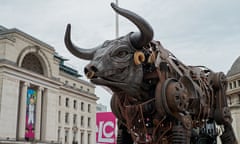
pixel 42 99
pixel 233 92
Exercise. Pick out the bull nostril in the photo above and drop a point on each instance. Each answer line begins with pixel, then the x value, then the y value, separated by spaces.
pixel 86 70
pixel 90 71
pixel 93 68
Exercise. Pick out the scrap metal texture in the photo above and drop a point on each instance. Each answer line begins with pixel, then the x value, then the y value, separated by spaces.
pixel 156 97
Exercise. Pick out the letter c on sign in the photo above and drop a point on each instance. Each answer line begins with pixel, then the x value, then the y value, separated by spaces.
pixel 110 134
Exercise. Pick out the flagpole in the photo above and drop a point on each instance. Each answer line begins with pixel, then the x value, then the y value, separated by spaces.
pixel 117 22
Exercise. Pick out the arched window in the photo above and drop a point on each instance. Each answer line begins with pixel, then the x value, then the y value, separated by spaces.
pixel 32 63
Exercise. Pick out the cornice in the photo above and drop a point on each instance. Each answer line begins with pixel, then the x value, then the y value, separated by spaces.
pixel 4 34
pixel 10 68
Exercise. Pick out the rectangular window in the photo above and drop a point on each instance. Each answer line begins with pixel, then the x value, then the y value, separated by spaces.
pixel 234 84
pixel 89 138
pixel 59 101
pixel 82 106
pixel 74 137
pixel 66 136
pixel 66 118
pixel 75 119
pixel 59 116
pixel 89 108
pixel 75 104
pixel 89 122
pixel 82 136
pixel 82 120
pixel 230 85
pixel 67 102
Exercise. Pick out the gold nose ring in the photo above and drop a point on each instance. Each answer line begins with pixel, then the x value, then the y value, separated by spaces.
pixel 90 74
pixel 139 57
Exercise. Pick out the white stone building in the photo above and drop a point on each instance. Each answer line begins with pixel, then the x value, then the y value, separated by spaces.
pixel 233 93
pixel 41 99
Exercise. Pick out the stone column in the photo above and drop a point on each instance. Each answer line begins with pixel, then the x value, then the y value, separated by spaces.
pixel 44 115
pixel 38 114
pixel 22 111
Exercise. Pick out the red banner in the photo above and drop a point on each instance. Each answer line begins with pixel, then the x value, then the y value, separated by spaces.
pixel 106 128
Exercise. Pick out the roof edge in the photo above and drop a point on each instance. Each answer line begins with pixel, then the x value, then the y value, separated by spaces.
pixel 15 30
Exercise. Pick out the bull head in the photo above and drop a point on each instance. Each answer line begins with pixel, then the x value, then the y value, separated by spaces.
pixel 112 63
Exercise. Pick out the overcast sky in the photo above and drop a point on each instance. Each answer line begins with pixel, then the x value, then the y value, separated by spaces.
pixel 198 32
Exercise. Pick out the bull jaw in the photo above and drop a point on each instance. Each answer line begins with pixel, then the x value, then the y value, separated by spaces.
pixel 101 81
pixel 115 86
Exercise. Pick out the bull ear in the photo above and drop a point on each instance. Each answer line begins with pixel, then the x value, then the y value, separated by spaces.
pixel 86 54
pixel 138 39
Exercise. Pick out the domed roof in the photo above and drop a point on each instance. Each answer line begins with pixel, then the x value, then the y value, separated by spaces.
pixel 235 69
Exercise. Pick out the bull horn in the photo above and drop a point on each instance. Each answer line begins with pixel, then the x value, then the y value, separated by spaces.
pixel 86 54
pixel 138 39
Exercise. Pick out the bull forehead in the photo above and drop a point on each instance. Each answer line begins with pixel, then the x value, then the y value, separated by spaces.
pixel 114 54
pixel 118 43
pixel 109 46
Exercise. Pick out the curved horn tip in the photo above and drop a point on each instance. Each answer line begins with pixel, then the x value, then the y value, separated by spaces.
pixel 68 27
pixel 146 32
pixel 113 5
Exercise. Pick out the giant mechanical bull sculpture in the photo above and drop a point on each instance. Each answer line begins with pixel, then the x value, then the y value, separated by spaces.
pixel 157 99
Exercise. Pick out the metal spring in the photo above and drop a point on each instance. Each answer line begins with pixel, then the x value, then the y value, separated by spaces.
pixel 180 135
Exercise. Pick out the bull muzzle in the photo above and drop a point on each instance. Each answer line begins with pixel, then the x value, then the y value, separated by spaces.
pixel 90 71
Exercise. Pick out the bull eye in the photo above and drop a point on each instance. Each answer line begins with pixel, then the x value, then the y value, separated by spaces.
pixel 122 54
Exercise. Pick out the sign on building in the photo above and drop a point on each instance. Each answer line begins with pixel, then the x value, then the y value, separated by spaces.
pixel 30 114
pixel 106 128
